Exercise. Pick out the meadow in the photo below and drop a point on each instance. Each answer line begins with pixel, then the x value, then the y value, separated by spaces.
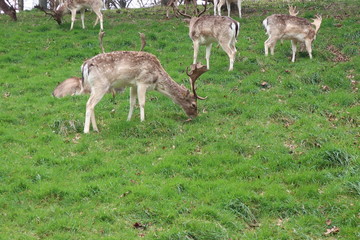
pixel 273 154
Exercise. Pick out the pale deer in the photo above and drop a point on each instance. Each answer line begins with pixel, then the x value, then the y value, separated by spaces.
pixel 140 71
pixel 73 6
pixel 206 30
pixel 279 26
pixel 73 86
pixel 228 5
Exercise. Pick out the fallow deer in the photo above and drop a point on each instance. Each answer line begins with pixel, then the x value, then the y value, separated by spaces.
pixel 73 86
pixel 279 26
pixel 206 30
pixel 228 5
pixel 140 71
pixel 75 5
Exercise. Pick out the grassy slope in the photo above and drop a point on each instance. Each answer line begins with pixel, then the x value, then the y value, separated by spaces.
pixel 284 158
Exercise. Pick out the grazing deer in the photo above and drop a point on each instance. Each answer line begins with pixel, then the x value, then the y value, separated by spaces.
pixel 141 71
pixel 228 5
pixel 174 3
pixel 73 86
pixel 206 30
pixel 279 26
pixel 73 6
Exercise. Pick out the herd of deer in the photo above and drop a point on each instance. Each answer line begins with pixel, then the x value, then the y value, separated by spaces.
pixel 141 71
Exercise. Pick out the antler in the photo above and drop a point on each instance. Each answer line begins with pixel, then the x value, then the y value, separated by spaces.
pixel 317 22
pixel 52 13
pixel 101 36
pixel 188 16
pixel 143 41
pixel 292 11
pixel 195 72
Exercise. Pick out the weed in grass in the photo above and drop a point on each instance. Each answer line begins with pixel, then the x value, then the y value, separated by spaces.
pixel 242 210
pixel 67 127
pixel 354 187
pixel 336 157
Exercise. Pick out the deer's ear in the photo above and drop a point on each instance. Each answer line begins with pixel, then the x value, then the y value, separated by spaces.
pixel 187 20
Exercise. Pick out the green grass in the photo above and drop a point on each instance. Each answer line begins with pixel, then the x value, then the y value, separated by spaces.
pixel 272 162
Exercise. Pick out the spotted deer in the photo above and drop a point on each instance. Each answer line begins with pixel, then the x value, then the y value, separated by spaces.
pixel 296 29
pixel 206 30
pixel 140 71
pixel 73 6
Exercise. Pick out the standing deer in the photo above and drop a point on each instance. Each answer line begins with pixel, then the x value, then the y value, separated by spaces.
pixel 228 5
pixel 141 71
pixel 206 30
pixel 279 26
pixel 73 6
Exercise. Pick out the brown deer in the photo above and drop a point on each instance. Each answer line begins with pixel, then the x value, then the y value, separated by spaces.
pixel 140 71
pixel 279 26
pixel 73 6
pixel 206 30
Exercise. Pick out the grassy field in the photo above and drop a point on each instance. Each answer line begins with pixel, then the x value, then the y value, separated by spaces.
pixel 273 154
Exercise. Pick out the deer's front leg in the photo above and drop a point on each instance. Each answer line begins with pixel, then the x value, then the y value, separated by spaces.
pixel 208 52
pixel 133 95
pixel 196 50
pixel 82 12
pixel 141 91
pixel 73 16
pixel 239 7
pixel 215 6
pixel 228 7
pixel 293 47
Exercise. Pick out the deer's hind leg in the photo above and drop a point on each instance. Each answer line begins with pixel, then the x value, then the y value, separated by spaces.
pixel 95 97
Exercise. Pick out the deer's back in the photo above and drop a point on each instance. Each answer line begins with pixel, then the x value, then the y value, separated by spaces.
pixel 123 68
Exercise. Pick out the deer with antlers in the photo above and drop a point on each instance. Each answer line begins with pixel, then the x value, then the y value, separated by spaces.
pixel 296 29
pixel 140 71
pixel 206 30
pixel 73 6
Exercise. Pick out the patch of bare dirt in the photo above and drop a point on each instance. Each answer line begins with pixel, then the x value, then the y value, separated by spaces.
pixel 339 56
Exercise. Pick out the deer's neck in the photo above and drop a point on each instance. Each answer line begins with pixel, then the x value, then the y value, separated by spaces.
pixel 170 88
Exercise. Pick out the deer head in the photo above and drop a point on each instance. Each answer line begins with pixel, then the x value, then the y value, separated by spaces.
pixel 188 16
pixel 56 15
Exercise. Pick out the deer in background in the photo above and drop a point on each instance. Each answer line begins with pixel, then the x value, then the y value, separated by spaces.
pixel 280 26
pixel 73 6
pixel 206 30
pixel 140 71
pixel 228 5
pixel 73 86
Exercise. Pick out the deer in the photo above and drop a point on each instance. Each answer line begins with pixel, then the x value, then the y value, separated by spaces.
pixel 296 29
pixel 73 86
pixel 73 6
pixel 206 30
pixel 141 71
pixel 174 3
pixel 228 5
